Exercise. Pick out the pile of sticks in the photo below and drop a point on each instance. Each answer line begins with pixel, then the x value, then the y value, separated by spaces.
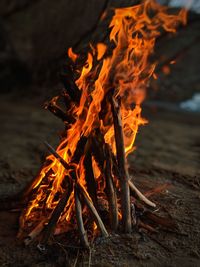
pixel 113 168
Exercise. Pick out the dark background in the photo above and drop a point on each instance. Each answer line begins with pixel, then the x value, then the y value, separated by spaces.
pixel 35 35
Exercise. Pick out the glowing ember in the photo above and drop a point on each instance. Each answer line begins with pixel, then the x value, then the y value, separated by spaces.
pixel 86 168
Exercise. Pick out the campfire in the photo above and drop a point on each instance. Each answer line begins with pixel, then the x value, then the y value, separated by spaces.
pixel 84 186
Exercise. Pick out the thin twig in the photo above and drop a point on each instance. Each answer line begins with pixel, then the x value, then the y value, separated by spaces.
pixel 111 191
pixel 76 260
pixel 140 195
pixel 56 155
pixel 90 258
pixel 92 209
pixel 124 176
pixel 79 218
pixel 54 218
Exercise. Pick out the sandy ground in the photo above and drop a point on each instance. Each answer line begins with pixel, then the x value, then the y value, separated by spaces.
pixel 168 151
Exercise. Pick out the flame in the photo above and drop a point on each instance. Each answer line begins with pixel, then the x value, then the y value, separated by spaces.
pixel 125 72
pixel 72 55
pixel 101 49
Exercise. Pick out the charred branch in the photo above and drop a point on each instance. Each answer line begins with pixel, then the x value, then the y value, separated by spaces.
pixel 57 156
pixel 67 78
pixel 54 218
pixel 58 112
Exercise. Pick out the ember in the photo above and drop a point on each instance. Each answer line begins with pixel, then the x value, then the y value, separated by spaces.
pixel 85 182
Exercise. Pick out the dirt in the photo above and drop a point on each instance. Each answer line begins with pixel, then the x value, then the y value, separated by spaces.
pixel 168 151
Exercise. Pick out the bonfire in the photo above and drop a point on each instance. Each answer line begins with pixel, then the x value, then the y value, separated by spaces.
pixel 84 186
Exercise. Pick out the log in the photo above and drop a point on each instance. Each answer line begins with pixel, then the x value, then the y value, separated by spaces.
pixel 124 176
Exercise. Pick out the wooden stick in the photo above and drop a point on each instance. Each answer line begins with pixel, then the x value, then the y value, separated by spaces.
pixel 111 192
pixel 97 151
pixel 89 176
pixel 133 188
pixel 92 209
pixel 54 218
pixel 34 233
pixel 79 218
pixel 67 77
pixel 88 202
pixel 56 155
pixel 58 112
pixel 140 195
pixel 102 155
pixel 124 176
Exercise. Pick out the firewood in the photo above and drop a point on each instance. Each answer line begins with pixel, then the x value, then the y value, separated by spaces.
pixel 57 156
pixel 97 150
pixel 79 218
pixel 111 192
pixel 133 188
pixel 140 195
pixel 106 74
pixel 67 78
pixel 94 212
pixel 124 176
pixel 87 199
pixel 58 112
pixel 99 156
pixel 34 233
pixel 54 218
pixel 102 155
pixel 89 176
pixel 80 148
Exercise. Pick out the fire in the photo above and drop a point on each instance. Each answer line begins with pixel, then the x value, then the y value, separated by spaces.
pixel 122 73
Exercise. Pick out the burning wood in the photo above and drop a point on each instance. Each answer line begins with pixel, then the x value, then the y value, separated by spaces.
pixel 87 175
